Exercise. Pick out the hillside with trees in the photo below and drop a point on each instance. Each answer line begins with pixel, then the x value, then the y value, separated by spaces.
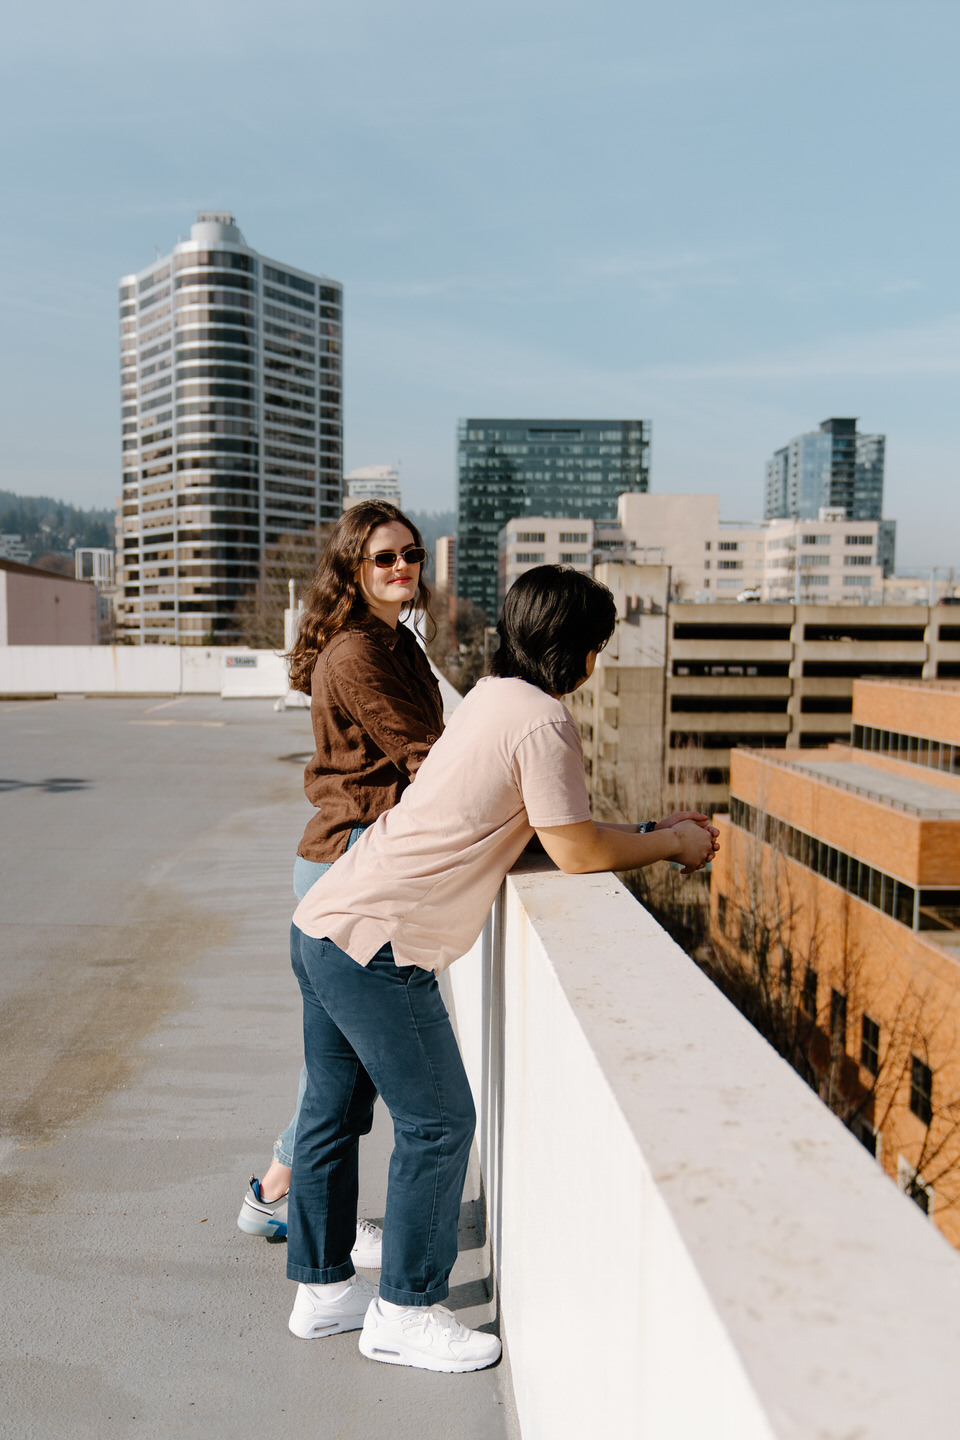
pixel 52 529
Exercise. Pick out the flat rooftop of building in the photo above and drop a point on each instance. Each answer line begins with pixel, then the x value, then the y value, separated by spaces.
pixel 903 792
pixel 150 1029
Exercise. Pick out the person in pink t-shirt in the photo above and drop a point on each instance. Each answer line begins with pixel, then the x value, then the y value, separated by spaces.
pixel 370 937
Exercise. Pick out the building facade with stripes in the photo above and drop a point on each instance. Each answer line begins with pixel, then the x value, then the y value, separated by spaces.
pixel 232 435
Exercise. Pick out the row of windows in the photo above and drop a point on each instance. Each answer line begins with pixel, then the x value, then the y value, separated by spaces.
pixel 217 407
pixel 927 909
pixel 149 280
pixel 221 259
pixel 216 297
pixel 734 667
pixel 277 347
pixel 236 282
pixel 201 370
pixel 296 301
pixel 276 313
pixel 287 332
pixel 914 749
pixel 244 356
pixel 149 300
pixel 294 282
pixel 240 319
pixel 287 367
pixel 756 704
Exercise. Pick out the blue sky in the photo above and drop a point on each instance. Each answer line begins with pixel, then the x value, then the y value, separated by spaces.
pixel 734 220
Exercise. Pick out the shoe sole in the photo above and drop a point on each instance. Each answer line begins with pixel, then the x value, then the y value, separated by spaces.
pixel 306 1329
pixel 418 1360
pixel 272 1229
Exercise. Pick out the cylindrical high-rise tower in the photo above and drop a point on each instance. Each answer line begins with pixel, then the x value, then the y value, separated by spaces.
pixel 232 427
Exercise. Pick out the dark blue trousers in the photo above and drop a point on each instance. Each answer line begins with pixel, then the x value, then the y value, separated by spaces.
pixel 369 1029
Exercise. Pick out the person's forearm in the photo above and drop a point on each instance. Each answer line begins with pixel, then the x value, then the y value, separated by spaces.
pixel 611 847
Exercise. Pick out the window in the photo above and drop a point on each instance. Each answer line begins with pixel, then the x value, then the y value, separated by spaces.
pixel 281 277
pixel 858 560
pixel 729 564
pixel 921 1090
pixel 706 544
pixel 865 1133
pixel 529 557
pixel 530 537
pixel 573 537
pixel 870 1045
pixel 838 1018
pixel 808 995
pixel 912 1183
pixel 746 935
pixel 722 914
pixel 859 539
pixel 727 545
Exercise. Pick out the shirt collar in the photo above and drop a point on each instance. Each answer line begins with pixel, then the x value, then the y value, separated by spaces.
pixel 385 633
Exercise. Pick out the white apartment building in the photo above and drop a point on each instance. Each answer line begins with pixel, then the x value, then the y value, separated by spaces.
pixel 372 482
pixel 828 561
pixel 232 430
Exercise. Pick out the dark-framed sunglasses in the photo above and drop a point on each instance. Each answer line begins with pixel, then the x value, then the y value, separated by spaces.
pixel 386 559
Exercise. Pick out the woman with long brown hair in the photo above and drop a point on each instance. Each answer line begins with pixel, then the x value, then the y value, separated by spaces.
pixel 376 710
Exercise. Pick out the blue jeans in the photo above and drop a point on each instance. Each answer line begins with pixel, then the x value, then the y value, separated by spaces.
pixel 369 1029
pixel 305 874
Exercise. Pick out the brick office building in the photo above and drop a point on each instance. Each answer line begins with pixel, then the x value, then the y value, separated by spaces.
pixel 837 888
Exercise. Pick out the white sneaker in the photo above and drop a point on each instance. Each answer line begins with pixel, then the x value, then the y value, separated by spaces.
pixel 428 1337
pixel 368 1246
pixel 313 1315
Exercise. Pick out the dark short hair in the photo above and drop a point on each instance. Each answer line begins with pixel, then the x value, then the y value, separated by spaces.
pixel 552 618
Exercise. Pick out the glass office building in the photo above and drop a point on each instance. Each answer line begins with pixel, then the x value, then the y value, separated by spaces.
pixel 510 468
pixel 232 432
pixel 833 467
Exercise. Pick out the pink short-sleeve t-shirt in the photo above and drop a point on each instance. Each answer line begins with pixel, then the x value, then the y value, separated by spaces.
pixel 425 875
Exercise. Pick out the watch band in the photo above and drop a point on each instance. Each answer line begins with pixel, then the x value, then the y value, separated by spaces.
pixel 646 826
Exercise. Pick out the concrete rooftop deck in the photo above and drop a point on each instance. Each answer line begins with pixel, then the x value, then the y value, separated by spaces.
pixel 150 1036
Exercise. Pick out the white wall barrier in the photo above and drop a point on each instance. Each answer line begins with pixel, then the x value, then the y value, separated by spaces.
pixel 141 670
pixel 687 1244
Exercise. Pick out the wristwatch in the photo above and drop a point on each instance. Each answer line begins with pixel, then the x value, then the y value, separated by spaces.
pixel 646 826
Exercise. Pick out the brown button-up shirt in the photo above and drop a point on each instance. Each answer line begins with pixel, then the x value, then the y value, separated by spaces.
pixel 376 711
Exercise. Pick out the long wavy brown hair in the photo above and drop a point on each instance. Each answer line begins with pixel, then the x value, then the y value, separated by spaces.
pixel 333 599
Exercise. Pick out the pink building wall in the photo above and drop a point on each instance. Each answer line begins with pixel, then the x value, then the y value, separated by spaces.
pixel 46 609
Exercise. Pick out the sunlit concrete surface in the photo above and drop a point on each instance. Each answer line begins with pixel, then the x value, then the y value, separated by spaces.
pixel 905 792
pixel 149 1029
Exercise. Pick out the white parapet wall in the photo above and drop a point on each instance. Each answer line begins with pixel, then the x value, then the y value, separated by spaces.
pixel 687 1244
pixel 141 670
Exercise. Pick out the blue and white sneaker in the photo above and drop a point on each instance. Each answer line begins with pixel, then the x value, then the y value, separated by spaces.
pixel 263 1217
pixel 269 1217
